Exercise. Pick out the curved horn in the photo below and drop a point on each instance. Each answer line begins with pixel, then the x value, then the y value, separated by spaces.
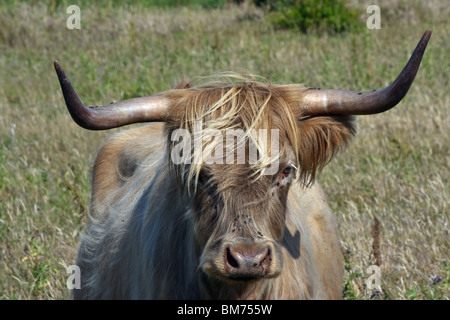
pixel 143 109
pixel 339 102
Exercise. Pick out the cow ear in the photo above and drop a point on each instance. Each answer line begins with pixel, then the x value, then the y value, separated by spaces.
pixel 183 84
pixel 320 138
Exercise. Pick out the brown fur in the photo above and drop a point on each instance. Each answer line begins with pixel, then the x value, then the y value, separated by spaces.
pixel 149 237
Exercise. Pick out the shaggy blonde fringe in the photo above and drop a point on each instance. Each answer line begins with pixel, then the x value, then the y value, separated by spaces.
pixel 236 101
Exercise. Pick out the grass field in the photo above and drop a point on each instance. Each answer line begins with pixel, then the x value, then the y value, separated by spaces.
pixel 396 168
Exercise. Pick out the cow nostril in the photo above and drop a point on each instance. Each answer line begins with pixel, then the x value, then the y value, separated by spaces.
pixel 266 259
pixel 231 260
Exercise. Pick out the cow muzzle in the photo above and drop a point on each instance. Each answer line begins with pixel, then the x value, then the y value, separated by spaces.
pixel 243 260
pixel 247 261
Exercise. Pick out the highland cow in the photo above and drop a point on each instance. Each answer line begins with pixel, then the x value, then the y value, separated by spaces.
pixel 199 229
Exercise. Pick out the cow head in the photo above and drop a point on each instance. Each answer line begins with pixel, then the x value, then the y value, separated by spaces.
pixel 238 206
pixel 236 149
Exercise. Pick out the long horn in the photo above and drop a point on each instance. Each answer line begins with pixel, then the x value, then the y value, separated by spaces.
pixel 143 109
pixel 340 102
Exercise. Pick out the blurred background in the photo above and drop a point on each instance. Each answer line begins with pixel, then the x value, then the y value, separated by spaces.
pixel 389 189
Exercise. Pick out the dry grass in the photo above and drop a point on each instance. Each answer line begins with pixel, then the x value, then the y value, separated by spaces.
pixel 396 169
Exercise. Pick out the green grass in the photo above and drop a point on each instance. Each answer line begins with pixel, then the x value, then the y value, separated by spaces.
pixel 396 168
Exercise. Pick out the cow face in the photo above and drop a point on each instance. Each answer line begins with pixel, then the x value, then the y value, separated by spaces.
pixel 239 195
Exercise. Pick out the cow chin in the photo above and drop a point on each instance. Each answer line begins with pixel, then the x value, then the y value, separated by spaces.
pixel 240 261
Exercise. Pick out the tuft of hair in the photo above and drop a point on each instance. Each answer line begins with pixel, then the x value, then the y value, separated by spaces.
pixel 248 102
pixel 321 139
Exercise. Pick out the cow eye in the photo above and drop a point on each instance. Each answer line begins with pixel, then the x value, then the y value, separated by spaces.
pixel 286 172
pixel 202 179
pixel 206 185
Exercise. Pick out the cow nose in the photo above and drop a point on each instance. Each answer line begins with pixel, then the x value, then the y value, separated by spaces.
pixel 246 262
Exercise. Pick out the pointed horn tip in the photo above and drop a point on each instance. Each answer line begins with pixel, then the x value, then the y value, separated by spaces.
pixel 59 70
pixel 426 37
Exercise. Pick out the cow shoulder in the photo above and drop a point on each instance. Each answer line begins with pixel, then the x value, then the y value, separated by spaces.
pixel 320 225
pixel 120 157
